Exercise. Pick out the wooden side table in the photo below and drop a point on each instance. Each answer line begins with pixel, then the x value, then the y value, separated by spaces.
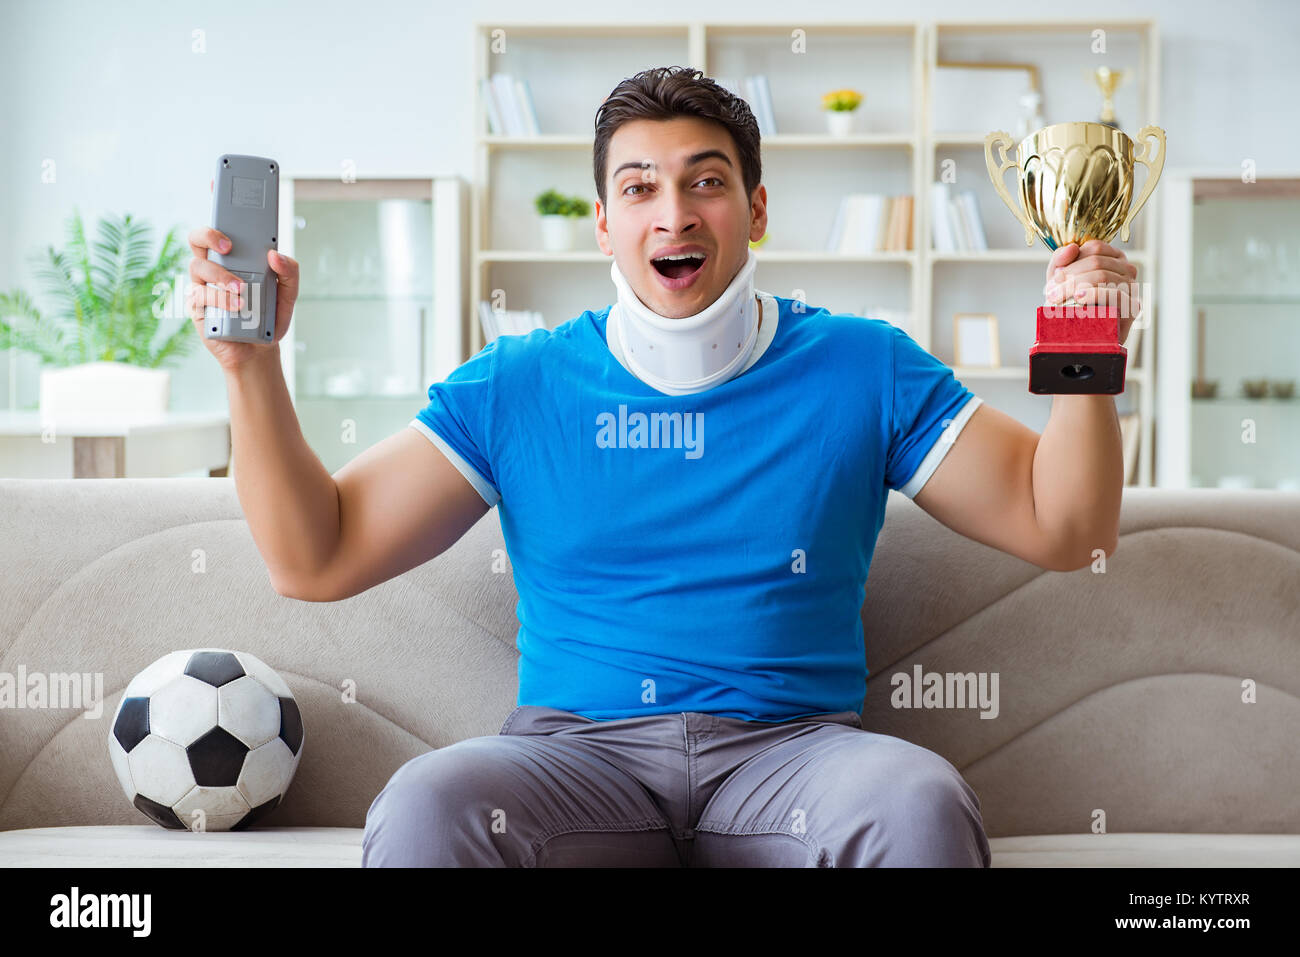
pixel 113 446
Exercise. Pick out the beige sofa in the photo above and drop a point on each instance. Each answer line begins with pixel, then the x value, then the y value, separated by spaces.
pixel 1120 693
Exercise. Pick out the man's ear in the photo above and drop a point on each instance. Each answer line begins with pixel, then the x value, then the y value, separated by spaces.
pixel 758 214
pixel 602 230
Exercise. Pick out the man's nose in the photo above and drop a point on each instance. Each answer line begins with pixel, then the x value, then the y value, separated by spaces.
pixel 677 213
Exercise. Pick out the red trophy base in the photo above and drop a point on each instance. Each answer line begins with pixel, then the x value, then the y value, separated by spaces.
pixel 1076 351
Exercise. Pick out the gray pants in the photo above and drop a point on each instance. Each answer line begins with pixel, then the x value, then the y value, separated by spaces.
pixel 556 789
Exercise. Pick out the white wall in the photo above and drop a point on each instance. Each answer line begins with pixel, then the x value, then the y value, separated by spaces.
pixel 134 120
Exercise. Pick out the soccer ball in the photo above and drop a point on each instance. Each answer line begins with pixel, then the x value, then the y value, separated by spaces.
pixel 206 739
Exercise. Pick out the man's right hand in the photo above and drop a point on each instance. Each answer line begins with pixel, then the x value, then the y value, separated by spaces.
pixel 210 286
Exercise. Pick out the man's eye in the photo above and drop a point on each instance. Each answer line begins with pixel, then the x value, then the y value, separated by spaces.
pixel 715 179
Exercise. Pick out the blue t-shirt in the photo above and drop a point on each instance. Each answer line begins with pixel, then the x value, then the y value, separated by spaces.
pixel 704 552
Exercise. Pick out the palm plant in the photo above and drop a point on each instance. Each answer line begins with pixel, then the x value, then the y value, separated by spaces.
pixel 108 307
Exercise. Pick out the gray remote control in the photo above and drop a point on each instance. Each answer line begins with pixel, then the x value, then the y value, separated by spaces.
pixel 246 208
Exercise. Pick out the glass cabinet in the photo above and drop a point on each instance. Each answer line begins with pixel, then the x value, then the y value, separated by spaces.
pixel 1229 334
pixel 379 314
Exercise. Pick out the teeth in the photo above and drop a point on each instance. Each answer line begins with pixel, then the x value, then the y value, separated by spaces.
pixel 661 259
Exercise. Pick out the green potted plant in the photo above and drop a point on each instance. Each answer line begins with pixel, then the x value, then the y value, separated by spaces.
pixel 839 106
pixel 559 217
pixel 97 345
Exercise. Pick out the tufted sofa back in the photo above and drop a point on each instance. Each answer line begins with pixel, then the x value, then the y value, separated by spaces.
pixel 1119 690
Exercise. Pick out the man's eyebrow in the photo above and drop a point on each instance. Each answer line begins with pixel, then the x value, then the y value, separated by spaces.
pixel 691 160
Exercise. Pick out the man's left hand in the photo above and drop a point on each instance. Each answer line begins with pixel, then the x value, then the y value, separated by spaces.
pixel 1095 273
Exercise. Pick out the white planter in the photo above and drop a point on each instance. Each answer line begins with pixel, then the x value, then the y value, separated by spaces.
pixel 558 233
pixel 104 389
pixel 839 122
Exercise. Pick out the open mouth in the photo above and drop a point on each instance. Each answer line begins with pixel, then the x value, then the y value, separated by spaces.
pixel 680 267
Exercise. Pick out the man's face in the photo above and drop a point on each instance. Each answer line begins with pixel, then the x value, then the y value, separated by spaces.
pixel 671 183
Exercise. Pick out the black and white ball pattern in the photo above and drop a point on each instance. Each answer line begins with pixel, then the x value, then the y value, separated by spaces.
pixel 206 729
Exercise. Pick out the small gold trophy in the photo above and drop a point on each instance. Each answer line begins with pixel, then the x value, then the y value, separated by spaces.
pixel 1108 79
pixel 1075 184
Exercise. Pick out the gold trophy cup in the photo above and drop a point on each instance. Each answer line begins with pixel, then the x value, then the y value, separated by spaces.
pixel 1107 80
pixel 1075 183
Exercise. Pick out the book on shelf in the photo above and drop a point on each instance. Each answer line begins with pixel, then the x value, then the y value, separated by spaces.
pixel 758 94
pixel 901 237
pixel 755 91
pixel 871 222
pixel 892 226
pixel 941 226
pixel 509 105
pixel 503 93
pixel 970 208
pixel 769 114
pixel 957 226
pixel 525 98
pixel 496 124
pixel 960 227
pixel 837 229
pixel 507 322
pixel 857 224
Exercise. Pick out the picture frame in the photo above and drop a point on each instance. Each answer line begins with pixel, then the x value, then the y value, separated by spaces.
pixel 975 340
pixel 981 94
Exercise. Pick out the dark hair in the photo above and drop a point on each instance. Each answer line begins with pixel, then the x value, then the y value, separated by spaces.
pixel 665 92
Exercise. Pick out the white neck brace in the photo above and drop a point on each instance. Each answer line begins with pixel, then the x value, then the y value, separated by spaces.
pixel 681 356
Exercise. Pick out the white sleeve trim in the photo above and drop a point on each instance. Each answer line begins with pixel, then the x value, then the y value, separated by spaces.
pixel 481 485
pixel 947 438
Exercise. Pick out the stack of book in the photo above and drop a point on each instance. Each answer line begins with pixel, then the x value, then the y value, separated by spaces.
pixel 872 223
pixel 509 105
pixel 956 221
pixel 507 322
pixel 758 95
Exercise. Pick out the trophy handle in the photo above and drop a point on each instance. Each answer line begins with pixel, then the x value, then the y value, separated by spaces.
pixel 996 171
pixel 1154 169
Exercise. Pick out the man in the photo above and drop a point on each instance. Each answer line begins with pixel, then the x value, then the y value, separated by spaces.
pixel 691 482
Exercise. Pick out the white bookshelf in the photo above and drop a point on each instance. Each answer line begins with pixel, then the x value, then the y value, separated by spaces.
pixel 896 152
pixel 1064 52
